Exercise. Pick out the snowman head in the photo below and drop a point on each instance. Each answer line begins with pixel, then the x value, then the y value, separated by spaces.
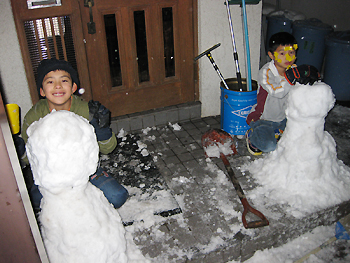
pixel 307 101
pixel 62 150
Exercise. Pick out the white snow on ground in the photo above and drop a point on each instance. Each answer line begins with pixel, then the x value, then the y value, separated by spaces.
pixel 215 150
pixel 142 148
pixel 140 208
pixel 175 126
pixel 121 133
pixel 301 246
pixel 146 130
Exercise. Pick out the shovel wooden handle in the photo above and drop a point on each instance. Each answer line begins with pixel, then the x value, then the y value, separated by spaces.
pixel 219 137
pixel 246 206
pixel 253 224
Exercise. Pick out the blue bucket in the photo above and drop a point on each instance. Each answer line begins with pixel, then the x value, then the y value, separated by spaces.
pixel 236 105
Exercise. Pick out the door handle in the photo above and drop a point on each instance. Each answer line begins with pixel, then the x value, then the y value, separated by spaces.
pixel 91 25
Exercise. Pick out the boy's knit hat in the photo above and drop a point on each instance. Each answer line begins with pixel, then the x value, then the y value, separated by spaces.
pixel 53 64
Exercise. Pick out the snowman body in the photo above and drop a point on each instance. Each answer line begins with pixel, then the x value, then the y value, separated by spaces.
pixel 304 174
pixel 78 223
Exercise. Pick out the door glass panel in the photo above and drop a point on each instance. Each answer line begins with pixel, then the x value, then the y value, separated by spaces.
pixel 113 50
pixel 50 38
pixel 168 37
pixel 141 45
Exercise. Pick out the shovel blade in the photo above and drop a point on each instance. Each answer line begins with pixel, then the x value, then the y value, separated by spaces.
pixel 221 140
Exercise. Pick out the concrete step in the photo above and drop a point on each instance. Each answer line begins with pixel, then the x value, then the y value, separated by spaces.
pixel 157 117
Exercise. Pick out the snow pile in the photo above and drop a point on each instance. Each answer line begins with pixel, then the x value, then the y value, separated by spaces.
pixel 304 171
pixel 78 223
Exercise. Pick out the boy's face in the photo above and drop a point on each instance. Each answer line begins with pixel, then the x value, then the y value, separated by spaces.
pixel 58 88
pixel 284 56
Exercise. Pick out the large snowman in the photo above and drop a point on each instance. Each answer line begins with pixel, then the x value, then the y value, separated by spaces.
pixel 304 172
pixel 78 224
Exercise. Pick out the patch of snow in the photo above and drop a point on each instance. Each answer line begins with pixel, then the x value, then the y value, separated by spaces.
pixel 142 207
pixel 146 130
pixel 297 248
pixel 215 149
pixel 122 133
pixel 176 126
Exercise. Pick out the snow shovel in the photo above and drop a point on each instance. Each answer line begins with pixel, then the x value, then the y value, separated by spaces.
pixel 219 138
pixel 342 230
pixel 208 54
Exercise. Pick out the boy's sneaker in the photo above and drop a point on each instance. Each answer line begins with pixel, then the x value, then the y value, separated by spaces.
pixel 278 134
pixel 251 148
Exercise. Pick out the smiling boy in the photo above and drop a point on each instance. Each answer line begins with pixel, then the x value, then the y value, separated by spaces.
pixel 267 118
pixel 56 82
pixel 58 89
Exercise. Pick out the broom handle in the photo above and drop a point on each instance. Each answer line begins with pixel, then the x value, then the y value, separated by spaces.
pixel 249 77
pixel 235 54
pixel 217 70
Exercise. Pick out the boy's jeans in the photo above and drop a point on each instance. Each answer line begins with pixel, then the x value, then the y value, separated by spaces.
pixel 115 193
pixel 263 134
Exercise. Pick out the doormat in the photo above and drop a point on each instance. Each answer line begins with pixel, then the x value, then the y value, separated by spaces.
pixel 132 165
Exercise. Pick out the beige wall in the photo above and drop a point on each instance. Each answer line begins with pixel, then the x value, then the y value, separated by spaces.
pixel 14 82
pixel 214 28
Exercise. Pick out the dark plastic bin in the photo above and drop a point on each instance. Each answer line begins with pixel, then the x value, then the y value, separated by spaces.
pixel 276 24
pixel 310 35
pixel 337 64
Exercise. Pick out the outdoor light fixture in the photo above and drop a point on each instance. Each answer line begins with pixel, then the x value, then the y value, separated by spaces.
pixel 33 4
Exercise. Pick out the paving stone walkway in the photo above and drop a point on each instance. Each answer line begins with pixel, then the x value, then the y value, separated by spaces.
pixel 208 227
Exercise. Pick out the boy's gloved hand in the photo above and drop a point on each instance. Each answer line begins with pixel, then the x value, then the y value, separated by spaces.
pixel 99 117
pixel 303 74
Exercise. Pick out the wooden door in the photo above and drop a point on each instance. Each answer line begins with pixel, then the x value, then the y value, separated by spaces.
pixel 141 56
